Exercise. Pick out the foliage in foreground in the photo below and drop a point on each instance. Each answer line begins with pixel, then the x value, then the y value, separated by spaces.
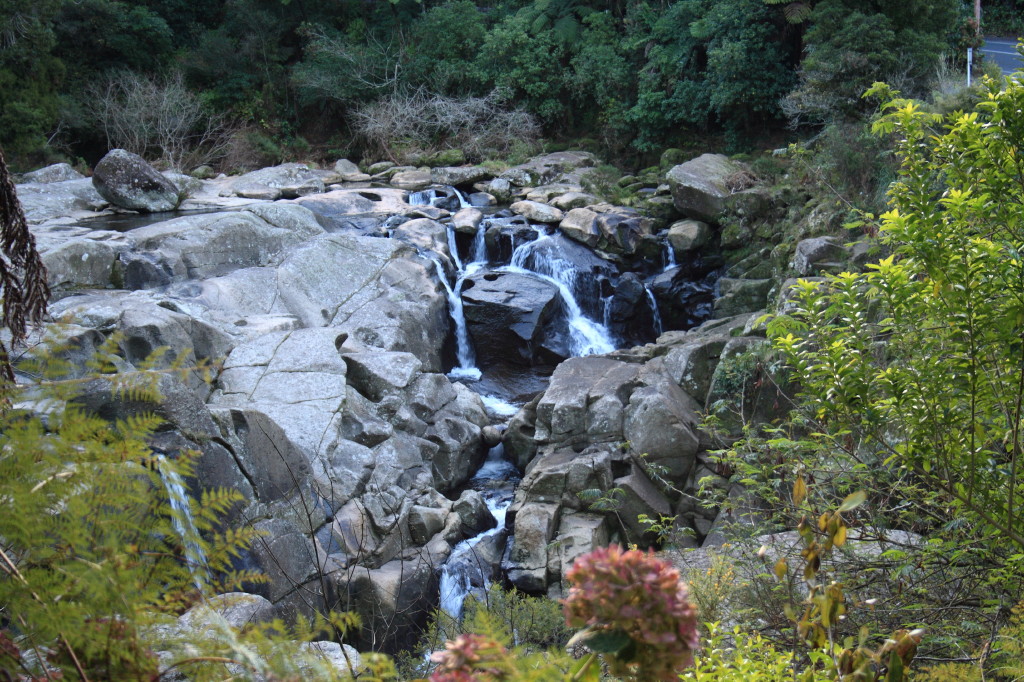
pixel 102 549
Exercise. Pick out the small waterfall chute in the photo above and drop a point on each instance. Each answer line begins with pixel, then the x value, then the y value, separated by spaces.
pixel 183 522
pixel 659 328
pixel 670 257
pixel 467 368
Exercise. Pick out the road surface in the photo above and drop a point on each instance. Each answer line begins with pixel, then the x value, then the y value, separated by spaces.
pixel 1003 51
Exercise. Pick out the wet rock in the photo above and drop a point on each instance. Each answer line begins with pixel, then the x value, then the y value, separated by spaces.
pixel 506 314
pixel 467 220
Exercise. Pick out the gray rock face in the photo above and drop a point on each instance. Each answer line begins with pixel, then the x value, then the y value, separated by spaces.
pixel 80 263
pixel 43 202
pixel 737 296
pixel 287 181
pixel 700 187
pixel 58 172
pixel 537 212
pixel 610 229
pixel 459 175
pixel 819 253
pixel 688 235
pixel 126 180
pixel 506 314
pixel 212 244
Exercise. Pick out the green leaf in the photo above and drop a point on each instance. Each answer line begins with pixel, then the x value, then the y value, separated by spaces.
pixel 607 641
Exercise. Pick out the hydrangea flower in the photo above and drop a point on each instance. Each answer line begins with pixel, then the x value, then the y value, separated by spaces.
pixel 468 658
pixel 636 611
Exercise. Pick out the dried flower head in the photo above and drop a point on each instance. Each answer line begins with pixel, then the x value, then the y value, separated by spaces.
pixel 636 595
pixel 468 658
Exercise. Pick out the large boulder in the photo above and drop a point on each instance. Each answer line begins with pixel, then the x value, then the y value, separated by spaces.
pixel 700 186
pixel 611 229
pixel 126 180
pixel 507 315
pixel 537 212
pixel 738 296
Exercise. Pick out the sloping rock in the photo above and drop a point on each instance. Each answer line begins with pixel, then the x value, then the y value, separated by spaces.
pixel 412 179
pixel 208 245
pixel 126 180
pixel 48 201
pixel 58 172
pixel 289 180
pixel 548 168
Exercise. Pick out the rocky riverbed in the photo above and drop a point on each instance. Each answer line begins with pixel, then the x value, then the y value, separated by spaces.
pixel 342 406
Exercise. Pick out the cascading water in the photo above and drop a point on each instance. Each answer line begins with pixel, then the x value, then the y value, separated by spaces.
pixel 423 198
pixel 183 523
pixel 453 247
pixel 462 200
pixel 479 252
pixel 463 349
pixel 655 313
pixel 586 336
pixel 465 571
pixel 670 257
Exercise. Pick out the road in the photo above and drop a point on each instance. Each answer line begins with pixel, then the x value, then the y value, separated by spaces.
pixel 1003 51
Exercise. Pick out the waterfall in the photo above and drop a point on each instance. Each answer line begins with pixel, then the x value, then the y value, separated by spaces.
pixel 479 252
pixel 453 246
pixel 670 257
pixel 653 303
pixel 463 349
pixel 586 336
pixel 495 480
pixel 462 200
pixel 423 198
pixel 184 525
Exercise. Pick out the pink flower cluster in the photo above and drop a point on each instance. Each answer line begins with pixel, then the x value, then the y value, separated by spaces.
pixel 636 594
pixel 469 658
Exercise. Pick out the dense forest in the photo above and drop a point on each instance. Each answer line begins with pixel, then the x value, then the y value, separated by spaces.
pixel 314 78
